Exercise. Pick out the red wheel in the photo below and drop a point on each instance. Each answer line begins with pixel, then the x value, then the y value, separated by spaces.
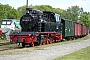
pixel 43 43
pixel 47 42
pixel 50 42
pixel 40 44
pixel 32 44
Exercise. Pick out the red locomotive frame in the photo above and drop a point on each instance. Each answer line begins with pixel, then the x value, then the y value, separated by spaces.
pixel 30 39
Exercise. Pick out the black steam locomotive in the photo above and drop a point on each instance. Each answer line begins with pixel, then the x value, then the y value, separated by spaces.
pixel 42 28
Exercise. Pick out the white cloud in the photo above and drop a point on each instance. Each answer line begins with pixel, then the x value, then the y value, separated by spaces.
pixel 81 3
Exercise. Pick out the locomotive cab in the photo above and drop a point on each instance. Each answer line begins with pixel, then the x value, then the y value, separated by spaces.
pixel 53 22
pixel 58 23
pixel 58 18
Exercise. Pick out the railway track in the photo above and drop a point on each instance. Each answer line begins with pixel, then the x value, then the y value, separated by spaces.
pixel 54 52
pixel 7 43
pixel 8 46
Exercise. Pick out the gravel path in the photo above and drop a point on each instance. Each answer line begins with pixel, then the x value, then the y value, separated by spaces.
pixel 49 53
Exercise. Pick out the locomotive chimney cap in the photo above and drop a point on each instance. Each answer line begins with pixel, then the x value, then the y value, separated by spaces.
pixel 29 9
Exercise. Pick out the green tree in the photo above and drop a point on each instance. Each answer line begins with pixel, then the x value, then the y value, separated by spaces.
pixel 43 7
pixel 13 14
pixel 3 11
pixel 74 12
pixel 85 19
pixel 22 10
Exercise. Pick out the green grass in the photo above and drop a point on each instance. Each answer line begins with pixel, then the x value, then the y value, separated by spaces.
pixel 4 41
pixel 83 54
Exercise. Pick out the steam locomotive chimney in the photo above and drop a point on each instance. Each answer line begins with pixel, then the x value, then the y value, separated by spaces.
pixel 27 4
pixel 27 9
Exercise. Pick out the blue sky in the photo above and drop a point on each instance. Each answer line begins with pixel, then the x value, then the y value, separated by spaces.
pixel 63 4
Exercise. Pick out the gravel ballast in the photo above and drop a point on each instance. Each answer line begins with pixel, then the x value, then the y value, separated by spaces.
pixel 49 53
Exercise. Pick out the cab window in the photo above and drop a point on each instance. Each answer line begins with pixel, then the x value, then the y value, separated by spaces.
pixel 58 19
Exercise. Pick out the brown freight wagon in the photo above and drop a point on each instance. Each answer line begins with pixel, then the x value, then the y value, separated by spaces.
pixel 84 30
pixel 77 29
